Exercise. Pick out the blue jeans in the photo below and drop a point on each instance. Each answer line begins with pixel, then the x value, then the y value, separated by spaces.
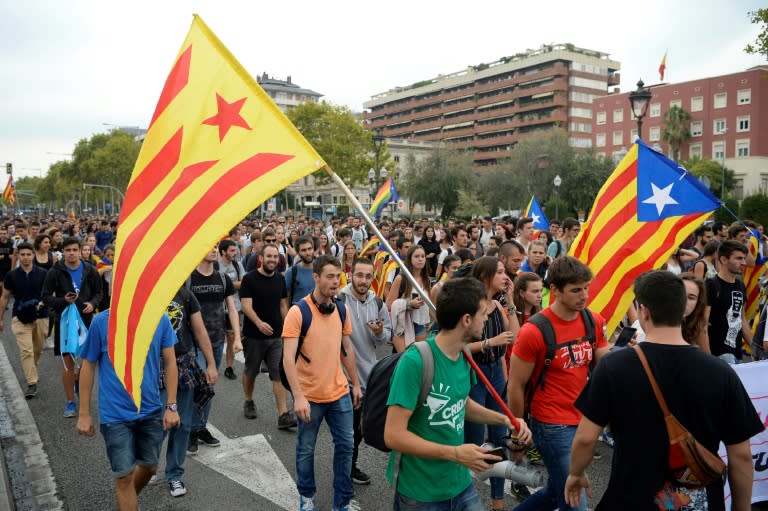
pixel 178 438
pixel 554 443
pixel 468 500
pixel 131 443
pixel 200 420
pixel 338 416
pixel 475 433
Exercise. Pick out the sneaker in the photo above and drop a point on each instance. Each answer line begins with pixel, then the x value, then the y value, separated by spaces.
pixel 360 477
pixel 192 446
pixel 520 491
pixel 70 410
pixel 249 409
pixel 607 438
pixel 533 455
pixel 177 488
pixel 230 373
pixel 306 503
pixel 597 456
pixel 204 437
pixel 155 480
pixel 286 420
pixel 31 391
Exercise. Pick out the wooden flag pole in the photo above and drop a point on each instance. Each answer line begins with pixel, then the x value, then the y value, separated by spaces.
pixel 372 226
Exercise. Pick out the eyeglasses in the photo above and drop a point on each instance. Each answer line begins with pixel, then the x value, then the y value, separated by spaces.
pixel 270 240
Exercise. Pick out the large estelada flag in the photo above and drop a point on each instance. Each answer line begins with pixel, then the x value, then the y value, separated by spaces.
pixel 386 194
pixel 645 209
pixel 217 146
pixel 752 275
pixel 9 193
pixel 533 210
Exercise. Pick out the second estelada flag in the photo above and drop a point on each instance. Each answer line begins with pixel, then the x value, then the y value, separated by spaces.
pixel 645 209
pixel 217 146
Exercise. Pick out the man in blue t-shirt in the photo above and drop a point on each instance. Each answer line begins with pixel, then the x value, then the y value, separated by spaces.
pixel 133 437
pixel 298 278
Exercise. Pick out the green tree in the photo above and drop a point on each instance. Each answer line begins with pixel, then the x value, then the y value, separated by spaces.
pixel 760 45
pixel 583 180
pixel 755 207
pixel 713 170
pixel 436 180
pixel 677 129
pixel 339 138
pixel 470 205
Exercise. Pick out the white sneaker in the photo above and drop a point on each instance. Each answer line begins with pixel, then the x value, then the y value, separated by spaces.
pixel 177 488
pixel 155 480
pixel 306 503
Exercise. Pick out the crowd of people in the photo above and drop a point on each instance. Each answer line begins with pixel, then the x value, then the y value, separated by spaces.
pixel 309 303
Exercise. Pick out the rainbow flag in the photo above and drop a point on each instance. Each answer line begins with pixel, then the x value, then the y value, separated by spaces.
pixel 217 146
pixel 662 67
pixel 9 193
pixel 533 210
pixel 386 194
pixel 645 209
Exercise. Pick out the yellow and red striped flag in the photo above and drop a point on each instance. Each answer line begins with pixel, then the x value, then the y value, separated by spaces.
pixel 216 147
pixel 662 67
pixel 645 209
pixel 9 193
pixel 752 276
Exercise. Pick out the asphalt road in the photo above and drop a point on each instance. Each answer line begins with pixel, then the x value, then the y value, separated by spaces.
pixel 253 469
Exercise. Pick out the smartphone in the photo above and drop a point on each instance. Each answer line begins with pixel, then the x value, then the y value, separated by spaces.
pixel 626 335
pixel 414 295
pixel 500 452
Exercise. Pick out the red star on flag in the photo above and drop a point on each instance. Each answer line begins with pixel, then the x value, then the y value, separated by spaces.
pixel 227 116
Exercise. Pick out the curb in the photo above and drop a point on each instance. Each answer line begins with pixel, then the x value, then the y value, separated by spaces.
pixel 27 482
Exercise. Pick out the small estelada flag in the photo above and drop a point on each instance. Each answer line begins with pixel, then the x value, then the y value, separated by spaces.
pixel 663 67
pixel 9 193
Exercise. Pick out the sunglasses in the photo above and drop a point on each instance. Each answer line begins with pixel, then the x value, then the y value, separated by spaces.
pixel 270 240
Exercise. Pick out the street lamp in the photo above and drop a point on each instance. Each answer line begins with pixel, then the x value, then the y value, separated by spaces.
pixel 639 100
pixel 557 182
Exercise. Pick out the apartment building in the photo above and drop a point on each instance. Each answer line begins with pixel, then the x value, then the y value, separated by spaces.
pixel 285 93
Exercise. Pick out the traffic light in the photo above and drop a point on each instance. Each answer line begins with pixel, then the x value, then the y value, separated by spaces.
pixel 9 168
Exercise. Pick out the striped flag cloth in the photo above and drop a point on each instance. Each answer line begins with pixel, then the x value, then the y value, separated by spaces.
pixel 386 194
pixel 217 146
pixel 663 67
pixel 9 193
pixel 752 275
pixel 645 209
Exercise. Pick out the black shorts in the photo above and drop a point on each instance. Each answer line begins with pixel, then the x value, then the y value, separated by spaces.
pixel 258 350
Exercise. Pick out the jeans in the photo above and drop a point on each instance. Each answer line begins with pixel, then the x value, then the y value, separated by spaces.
pixel 730 358
pixel 554 443
pixel 468 500
pixel 475 433
pixel 338 416
pixel 131 443
pixel 199 419
pixel 178 438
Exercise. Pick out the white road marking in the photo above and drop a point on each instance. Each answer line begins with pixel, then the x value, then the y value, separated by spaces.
pixel 251 462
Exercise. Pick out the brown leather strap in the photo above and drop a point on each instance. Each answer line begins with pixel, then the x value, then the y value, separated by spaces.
pixel 652 380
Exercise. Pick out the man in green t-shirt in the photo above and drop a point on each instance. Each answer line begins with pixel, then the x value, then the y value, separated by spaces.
pixel 430 435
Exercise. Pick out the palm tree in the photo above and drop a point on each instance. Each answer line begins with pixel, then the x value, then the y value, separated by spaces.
pixel 677 129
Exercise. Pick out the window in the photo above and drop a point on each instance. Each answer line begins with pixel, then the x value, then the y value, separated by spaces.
pixel 600 117
pixel 600 140
pixel 582 97
pixel 654 134
pixel 578 81
pixel 763 183
pixel 617 137
pixel 696 128
pixel 580 112
pixel 744 97
pixel 697 104
pixel 618 115
pixel 719 126
pixel 633 135
pixel 721 99
pixel 742 123
pixel 742 148
pixel 676 102
pixel 718 151
pixel 655 109
pixel 695 150
pixel 583 127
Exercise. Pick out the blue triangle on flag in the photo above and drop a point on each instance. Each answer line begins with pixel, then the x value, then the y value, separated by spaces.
pixel 665 189
pixel 540 221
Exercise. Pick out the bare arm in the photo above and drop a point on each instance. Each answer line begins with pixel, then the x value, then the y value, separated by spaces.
pixel 85 421
pixel 394 291
pixel 3 304
pixel 520 372
pixel 699 269
pixel 740 474
pixel 348 361
pixel 283 307
pixel 204 343
pixel 234 320
pixel 300 403
pixel 170 418
pixel 583 448
pixel 746 331
pixel 600 353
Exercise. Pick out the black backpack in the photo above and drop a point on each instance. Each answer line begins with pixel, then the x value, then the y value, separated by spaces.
pixel 374 412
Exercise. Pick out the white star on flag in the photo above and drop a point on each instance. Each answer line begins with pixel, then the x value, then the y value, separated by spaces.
pixel 536 219
pixel 661 197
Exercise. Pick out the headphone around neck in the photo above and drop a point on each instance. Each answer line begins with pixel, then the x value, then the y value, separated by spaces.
pixel 324 308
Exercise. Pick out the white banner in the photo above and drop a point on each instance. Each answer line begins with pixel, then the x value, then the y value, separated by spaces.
pixel 753 376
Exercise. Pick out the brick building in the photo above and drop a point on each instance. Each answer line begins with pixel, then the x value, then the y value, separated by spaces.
pixel 490 107
pixel 729 123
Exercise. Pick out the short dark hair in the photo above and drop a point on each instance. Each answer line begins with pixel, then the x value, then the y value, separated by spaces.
pixel 728 247
pixel 507 246
pixel 271 245
pixel 449 259
pixel 485 268
pixel 711 248
pixel 522 222
pixel 224 245
pixel 700 230
pixel 302 240
pixel 343 233
pixel 323 261
pixel 465 254
pixel 567 270
pixel 39 240
pixel 455 232
pixel 663 294
pixel 456 298
pixel 569 223
pixel 360 260
pixel 718 226
pixel 402 240
pixel 25 245
pixel 70 240
pixel 736 229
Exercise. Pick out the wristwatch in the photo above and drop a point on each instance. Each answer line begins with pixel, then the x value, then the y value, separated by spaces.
pixel 172 407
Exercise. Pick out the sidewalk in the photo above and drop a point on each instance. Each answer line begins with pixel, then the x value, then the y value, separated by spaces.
pixel 26 480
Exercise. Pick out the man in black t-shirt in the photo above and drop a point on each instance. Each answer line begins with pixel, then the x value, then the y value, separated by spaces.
pixel 705 395
pixel 726 302
pixel 264 299
pixel 7 256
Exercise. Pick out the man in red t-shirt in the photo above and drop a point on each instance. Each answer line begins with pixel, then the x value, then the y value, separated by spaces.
pixel 553 415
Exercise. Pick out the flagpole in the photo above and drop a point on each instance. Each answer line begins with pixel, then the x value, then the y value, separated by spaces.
pixel 370 223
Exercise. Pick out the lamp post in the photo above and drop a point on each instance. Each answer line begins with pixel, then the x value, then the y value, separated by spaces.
pixel 639 99
pixel 557 182
pixel 725 145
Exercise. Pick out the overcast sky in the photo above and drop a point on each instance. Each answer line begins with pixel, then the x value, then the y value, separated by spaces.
pixel 67 67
